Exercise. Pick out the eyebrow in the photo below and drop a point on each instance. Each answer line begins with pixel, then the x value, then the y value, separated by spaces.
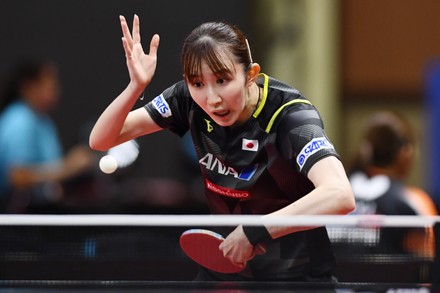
pixel 218 73
pixel 192 77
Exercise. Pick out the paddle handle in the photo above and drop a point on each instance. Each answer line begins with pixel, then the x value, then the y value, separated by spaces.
pixel 260 249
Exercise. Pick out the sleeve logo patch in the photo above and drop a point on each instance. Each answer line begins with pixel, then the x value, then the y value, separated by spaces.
pixel 162 106
pixel 311 148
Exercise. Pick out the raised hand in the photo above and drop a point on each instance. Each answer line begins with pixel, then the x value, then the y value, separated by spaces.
pixel 141 66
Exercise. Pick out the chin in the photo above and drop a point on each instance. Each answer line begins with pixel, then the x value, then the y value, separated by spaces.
pixel 224 121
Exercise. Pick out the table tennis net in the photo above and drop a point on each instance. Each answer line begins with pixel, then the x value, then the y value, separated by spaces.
pixel 372 252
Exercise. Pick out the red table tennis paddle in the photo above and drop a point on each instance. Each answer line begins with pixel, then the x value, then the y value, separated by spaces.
pixel 202 246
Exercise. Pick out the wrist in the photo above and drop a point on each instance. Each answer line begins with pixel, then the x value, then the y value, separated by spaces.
pixel 257 234
pixel 136 89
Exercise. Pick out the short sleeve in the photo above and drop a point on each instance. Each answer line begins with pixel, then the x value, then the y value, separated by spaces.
pixel 301 137
pixel 171 109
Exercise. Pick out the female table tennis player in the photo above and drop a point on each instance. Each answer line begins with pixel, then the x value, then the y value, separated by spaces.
pixel 260 143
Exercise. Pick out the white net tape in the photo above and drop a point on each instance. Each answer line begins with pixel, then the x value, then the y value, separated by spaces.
pixel 219 220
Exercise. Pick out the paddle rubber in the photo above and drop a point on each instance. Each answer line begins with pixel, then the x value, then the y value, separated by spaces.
pixel 202 246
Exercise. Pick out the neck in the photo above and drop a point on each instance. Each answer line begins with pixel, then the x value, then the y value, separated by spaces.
pixel 256 98
pixel 388 171
pixel 253 100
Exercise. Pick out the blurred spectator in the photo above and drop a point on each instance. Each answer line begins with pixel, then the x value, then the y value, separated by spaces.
pixel 32 164
pixel 381 166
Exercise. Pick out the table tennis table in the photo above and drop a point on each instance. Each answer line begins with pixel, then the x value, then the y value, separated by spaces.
pixel 207 287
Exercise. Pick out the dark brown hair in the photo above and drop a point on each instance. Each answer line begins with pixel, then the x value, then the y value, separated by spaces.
pixel 385 133
pixel 207 42
pixel 25 71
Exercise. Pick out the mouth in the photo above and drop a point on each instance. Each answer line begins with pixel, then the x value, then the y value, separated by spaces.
pixel 221 114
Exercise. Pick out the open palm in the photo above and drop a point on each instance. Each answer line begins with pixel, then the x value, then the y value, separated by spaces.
pixel 141 66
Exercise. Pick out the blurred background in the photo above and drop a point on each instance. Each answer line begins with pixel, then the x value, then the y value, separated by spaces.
pixel 350 58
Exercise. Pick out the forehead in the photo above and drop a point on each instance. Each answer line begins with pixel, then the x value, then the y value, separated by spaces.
pixel 224 63
pixel 218 63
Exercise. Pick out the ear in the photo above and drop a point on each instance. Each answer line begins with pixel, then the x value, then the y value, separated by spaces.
pixel 253 73
pixel 404 159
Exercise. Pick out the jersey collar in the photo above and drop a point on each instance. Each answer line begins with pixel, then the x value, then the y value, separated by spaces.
pixel 264 97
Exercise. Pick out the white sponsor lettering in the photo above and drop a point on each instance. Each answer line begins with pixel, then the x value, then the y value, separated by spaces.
pixel 311 148
pixel 211 163
pixel 162 106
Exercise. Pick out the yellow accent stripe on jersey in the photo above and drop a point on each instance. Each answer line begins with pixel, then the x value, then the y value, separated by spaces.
pixel 275 115
pixel 264 97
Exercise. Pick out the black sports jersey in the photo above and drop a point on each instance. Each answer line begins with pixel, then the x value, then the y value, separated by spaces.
pixel 258 167
pixel 382 195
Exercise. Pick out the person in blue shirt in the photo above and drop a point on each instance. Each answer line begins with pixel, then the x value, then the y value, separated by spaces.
pixel 31 156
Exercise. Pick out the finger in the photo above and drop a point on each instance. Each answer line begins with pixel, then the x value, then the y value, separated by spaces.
pixel 126 31
pixel 154 45
pixel 136 30
pixel 127 48
pixel 239 264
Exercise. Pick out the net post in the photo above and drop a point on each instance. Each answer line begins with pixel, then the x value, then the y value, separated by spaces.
pixel 435 277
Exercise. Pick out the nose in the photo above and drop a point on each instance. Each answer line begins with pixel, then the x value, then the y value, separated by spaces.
pixel 213 99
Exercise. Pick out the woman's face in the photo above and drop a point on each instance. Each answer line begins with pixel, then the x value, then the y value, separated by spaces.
pixel 43 92
pixel 224 98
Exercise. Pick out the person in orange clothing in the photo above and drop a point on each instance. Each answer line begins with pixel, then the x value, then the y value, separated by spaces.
pixel 382 163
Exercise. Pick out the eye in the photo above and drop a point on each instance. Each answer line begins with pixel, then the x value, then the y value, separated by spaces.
pixel 221 80
pixel 198 84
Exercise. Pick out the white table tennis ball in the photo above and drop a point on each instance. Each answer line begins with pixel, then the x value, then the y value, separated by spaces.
pixel 108 164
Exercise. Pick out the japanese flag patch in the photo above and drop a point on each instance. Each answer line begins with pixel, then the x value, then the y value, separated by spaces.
pixel 249 145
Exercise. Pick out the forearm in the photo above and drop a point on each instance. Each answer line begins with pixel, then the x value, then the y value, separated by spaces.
pixel 321 201
pixel 24 177
pixel 332 196
pixel 108 130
